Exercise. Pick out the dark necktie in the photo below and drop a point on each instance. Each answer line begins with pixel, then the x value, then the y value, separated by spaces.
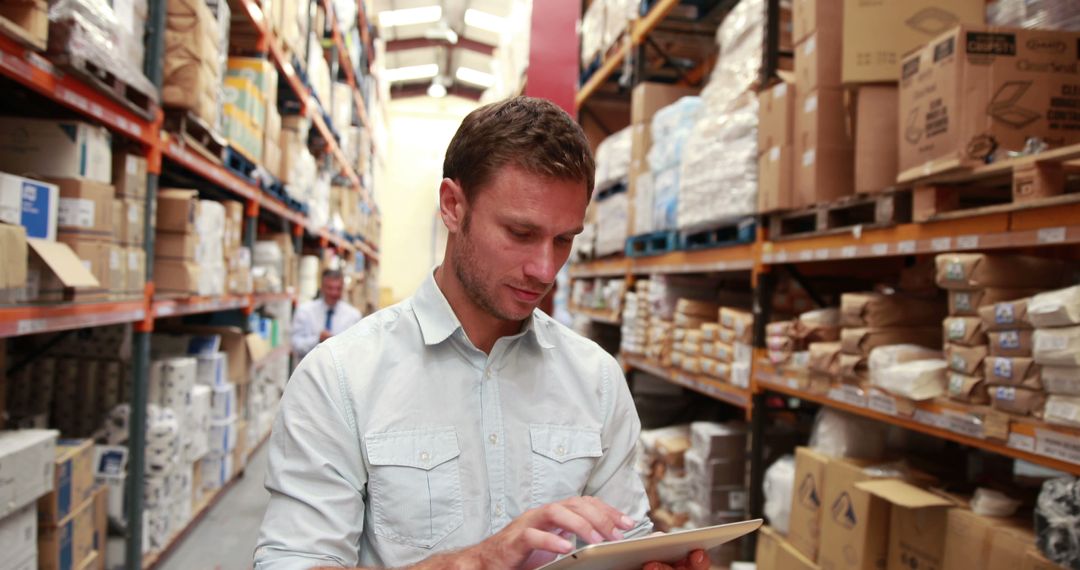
pixel 329 318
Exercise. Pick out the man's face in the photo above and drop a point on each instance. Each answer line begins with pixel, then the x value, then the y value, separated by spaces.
pixel 331 289
pixel 516 235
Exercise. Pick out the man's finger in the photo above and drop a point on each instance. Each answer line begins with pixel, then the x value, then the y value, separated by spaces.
pixel 599 517
pixel 698 560
pixel 536 539
pixel 656 566
pixel 559 516
pixel 621 520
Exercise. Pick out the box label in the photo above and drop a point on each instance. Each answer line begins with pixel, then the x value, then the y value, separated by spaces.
pixel 984 43
pixel 1058 446
pixel 76 212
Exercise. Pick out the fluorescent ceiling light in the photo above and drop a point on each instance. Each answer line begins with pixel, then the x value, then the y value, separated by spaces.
pixel 411 72
pixel 436 90
pixel 476 77
pixel 484 21
pixel 410 16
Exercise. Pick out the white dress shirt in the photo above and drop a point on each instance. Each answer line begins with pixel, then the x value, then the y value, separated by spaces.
pixel 310 321
pixel 399 439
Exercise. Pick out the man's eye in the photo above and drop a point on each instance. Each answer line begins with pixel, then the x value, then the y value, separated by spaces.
pixel 519 234
pixel 564 240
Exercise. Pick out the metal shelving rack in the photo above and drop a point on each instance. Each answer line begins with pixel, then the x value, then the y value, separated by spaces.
pixel 34 72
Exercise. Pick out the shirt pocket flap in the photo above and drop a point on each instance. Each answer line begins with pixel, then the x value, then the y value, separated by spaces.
pixel 422 449
pixel 563 443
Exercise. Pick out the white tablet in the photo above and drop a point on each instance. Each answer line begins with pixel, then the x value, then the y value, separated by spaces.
pixel 633 553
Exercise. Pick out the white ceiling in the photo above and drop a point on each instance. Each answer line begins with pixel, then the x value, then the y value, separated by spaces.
pixel 454 13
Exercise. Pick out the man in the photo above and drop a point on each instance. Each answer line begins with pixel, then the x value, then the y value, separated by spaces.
pixel 462 428
pixel 323 317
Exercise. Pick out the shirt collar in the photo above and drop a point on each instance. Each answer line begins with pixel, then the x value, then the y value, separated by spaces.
pixel 438 322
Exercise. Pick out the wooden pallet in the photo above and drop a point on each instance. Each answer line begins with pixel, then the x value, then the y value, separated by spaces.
pixel 1035 181
pixel 732 233
pixel 654 243
pixel 866 211
pixel 195 134
pixel 240 164
pixel 105 80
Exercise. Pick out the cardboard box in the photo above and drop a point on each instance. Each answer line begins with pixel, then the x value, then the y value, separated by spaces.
pixel 70 543
pixel 131 224
pixel 191 75
pixel 979 270
pixel 878 33
pixel 177 210
pixel 809 16
pixel 969 539
pixel 103 259
pixel 58 149
pixel 177 277
pixel 968 302
pixel 976 91
pixel 1007 548
pixel 129 175
pixel 54 270
pixel 854 523
pixel 776 116
pixel 101 523
pixel 917 524
pixel 85 208
pixel 886 311
pixel 29 203
pixel 174 246
pixel 32 16
pixel 775 553
pixel 824 153
pixel 804 529
pixel 877 153
pixel 18 538
pixel 136 269
pixel 26 467
pixel 645 100
pixel 13 257
pixel 817 62
pixel 73 483
pixel 1034 560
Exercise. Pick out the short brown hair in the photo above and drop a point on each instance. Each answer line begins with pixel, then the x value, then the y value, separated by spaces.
pixel 533 134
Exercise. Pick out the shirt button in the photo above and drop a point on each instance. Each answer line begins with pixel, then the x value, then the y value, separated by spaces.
pixel 494 439
pixel 487 375
pixel 560 450
pixel 425 456
pixel 498 509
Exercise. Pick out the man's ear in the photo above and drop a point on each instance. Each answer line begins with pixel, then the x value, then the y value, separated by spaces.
pixel 452 205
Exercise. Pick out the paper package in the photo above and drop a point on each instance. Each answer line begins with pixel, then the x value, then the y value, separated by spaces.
pixel 1015 371
pixel 1006 315
pixel 882 311
pixel 981 270
pixel 1017 400
pixel 863 340
pixel 1059 308
pixel 1057 347
pixel 1064 380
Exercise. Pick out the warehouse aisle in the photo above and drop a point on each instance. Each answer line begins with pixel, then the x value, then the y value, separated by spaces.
pixel 225 539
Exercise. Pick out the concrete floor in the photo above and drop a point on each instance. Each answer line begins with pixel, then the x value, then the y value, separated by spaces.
pixel 225 538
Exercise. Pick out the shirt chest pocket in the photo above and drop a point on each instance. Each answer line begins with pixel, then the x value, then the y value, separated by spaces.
pixel 414 485
pixel 563 457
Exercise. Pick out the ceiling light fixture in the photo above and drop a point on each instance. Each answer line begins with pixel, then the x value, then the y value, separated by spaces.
pixel 484 21
pixel 411 72
pixel 475 77
pixel 436 90
pixel 410 16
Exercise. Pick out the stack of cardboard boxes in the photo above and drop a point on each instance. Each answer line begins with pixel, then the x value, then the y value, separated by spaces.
pixel 189 244
pixel 72 518
pixel 870 320
pixel 30 457
pixel 252 122
pixel 237 257
pixel 192 75
pixel 129 220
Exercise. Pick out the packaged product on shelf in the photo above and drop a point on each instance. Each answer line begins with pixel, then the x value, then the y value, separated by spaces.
pixel 824 357
pixel 816 60
pixel 915 380
pixel 974 541
pixel 613 216
pixel 883 311
pixel 103 259
pixel 72 539
pixel 856 534
pixel 878 34
pixel 1064 380
pixel 1048 15
pixel 968 389
pixel 964 331
pixel 13 255
pixel 60 149
pixel 804 530
pixel 1059 308
pixel 1017 400
pixel 29 453
pixel 129 221
pixel 192 75
pixel 645 100
pixel 966 303
pixel 917 523
pixel 1062 410
pixel 85 209
pixel 778 489
pixel 966 359
pixel 1016 371
pixel 877 111
pixel 129 175
pixel 1005 315
pixel 1056 522
pixel 19 530
pixel 824 147
pixel 838 434
pixel 809 16
pixel 862 340
pixel 223 402
pixel 613 160
pixel 1057 347
pixel 32 204
pixel 1010 342
pixel 671 126
pixel 981 270
pixel 30 22
pixel 981 105
pixel 177 277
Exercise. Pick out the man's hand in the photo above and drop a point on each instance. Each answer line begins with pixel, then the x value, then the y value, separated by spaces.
pixel 325 335
pixel 697 560
pixel 539 535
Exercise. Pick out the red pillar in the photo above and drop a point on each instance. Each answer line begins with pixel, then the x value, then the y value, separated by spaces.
pixel 553 52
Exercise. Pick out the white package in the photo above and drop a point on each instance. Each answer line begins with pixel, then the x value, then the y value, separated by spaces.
pixel 177 378
pixel 223 436
pixel 778 486
pixel 838 434
pixel 916 380
pixel 1062 410
pixel 212 369
pixel 1057 347
pixel 740 374
pixel 883 357
pixel 223 402
pixel 613 223
pixel 1063 380
pixel 197 427
pixel 1059 308
pixel 216 470
pixel 613 160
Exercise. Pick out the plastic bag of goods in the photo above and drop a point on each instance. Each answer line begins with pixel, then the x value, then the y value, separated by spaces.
pixel 671 126
pixel 1057 521
pixel 779 482
pixel 838 434
pixel 613 160
pixel 917 380
pixel 613 221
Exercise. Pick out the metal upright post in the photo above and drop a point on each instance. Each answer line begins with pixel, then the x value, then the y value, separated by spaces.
pixel 763 294
pixel 155 57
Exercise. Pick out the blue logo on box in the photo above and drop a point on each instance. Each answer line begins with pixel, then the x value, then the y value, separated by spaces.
pixel 36 209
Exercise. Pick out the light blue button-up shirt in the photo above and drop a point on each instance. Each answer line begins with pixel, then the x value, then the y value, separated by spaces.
pixel 399 439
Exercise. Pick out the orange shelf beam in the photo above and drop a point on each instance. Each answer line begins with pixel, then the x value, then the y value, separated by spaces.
pixel 712 387
pixel 36 319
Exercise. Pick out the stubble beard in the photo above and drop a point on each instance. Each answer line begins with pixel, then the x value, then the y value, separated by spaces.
pixel 467 268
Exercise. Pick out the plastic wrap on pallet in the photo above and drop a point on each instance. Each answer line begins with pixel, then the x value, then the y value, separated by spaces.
pixel 740 38
pixel 90 30
pixel 643 204
pixel 223 16
pixel 1040 14
pixel 592 33
pixel 613 160
pixel 718 178
pixel 1057 521
pixel 617 18
pixel 671 127
pixel 612 214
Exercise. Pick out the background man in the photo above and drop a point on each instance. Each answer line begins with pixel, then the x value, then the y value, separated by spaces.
pixel 324 316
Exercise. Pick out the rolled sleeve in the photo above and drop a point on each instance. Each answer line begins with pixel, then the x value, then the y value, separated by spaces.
pixel 614 479
pixel 315 474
